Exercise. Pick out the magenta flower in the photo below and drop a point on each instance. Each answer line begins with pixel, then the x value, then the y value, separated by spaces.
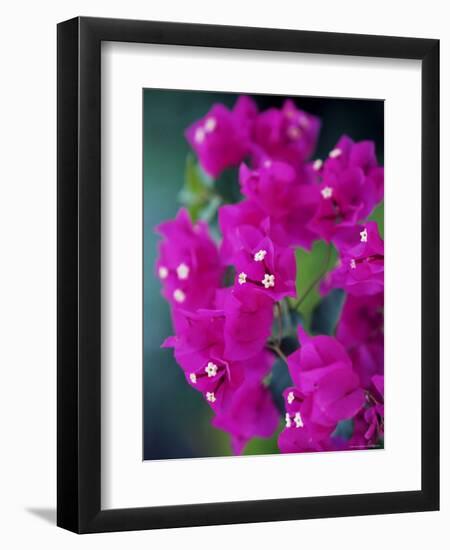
pixel 223 327
pixel 351 185
pixel 231 217
pixel 251 414
pixel 361 320
pixel 221 138
pixel 374 416
pixel 338 395
pixel 360 155
pixel 199 337
pixel 340 201
pixel 294 229
pixel 199 350
pixel 327 391
pixel 286 196
pixel 303 440
pixel 301 434
pixel 369 424
pixel 360 330
pixel 314 352
pixel 248 321
pixel 262 264
pixel 188 264
pixel 287 134
pixel 273 186
pixel 322 368
pixel 361 269
pixel 291 229
pixel 368 360
pixel 215 349
pixel 378 385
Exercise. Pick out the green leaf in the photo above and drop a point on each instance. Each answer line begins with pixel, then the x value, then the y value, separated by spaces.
pixel 196 192
pixel 264 446
pixel 289 344
pixel 286 321
pixel 209 211
pixel 295 319
pixel 280 379
pixel 311 267
pixel 203 195
pixel 378 216
pixel 326 314
pixel 196 181
pixel 344 429
pixel 227 186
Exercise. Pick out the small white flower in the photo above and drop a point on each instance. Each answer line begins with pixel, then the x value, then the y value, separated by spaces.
pixel 210 396
pixel 327 192
pixel 210 124
pixel 290 397
pixel 183 271
pixel 352 264
pixel 290 113
pixel 335 153
pixel 199 135
pixel 242 278
pixel 211 369
pixel 193 378
pixel 317 164
pixel 363 234
pixel 298 420
pixel 163 272
pixel 268 281
pixel 294 132
pixel 288 420
pixel 179 296
pixel 260 255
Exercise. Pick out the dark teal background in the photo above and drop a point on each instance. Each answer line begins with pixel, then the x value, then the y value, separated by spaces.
pixel 175 418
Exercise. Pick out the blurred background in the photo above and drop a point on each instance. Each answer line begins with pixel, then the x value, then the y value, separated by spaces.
pixel 175 418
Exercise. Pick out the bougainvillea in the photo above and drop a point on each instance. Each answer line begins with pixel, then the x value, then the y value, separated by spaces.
pixel 234 281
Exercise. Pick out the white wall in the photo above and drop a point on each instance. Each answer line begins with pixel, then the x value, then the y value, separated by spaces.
pixel 28 268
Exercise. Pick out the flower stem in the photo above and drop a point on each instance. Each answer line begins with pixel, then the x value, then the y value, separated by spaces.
pixel 278 351
pixel 317 280
pixel 280 322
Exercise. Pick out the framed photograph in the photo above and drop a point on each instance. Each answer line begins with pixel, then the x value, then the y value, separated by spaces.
pixel 232 345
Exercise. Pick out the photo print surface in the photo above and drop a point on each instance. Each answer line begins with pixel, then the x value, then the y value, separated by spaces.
pixel 263 259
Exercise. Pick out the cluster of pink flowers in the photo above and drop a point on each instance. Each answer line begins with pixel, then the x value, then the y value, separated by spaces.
pixel 224 334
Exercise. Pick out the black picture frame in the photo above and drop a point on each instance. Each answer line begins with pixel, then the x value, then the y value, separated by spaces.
pixel 79 275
